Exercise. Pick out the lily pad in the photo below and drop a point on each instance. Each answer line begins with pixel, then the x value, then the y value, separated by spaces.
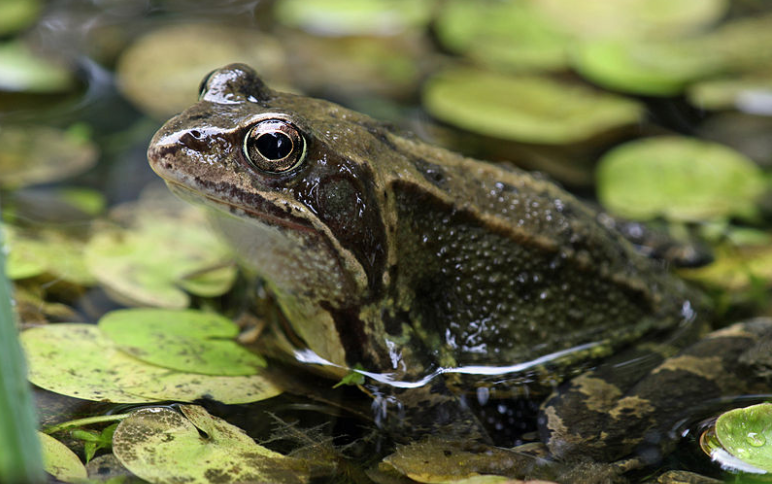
pixel 678 178
pixel 737 271
pixel 162 70
pixel 46 252
pixel 190 341
pixel 21 70
pixel 746 433
pixel 752 94
pixel 632 19
pixel 650 68
pixel 163 254
pixel 77 360
pixel 40 154
pixel 354 17
pixel 524 108
pixel 163 446
pixel 60 461
pixel 504 35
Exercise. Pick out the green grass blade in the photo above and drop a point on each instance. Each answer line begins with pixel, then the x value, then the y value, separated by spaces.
pixel 20 458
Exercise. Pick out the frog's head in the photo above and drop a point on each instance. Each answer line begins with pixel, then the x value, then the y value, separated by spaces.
pixel 294 177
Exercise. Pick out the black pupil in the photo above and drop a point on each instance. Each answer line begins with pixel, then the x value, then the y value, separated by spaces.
pixel 274 146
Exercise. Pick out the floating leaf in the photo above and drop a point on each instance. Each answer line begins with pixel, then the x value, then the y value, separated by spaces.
pixel 736 271
pixel 502 35
pixel 632 19
pixel 18 14
pixel 524 108
pixel 21 70
pixel 79 361
pixel 751 94
pixel 39 154
pixel 46 252
pixel 190 341
pixel 162 70
pixel 162 446
pixel 60 461
pixel 152 263
pixel 354 17
pixel 650 68
pixel 746 433
pixel 680 179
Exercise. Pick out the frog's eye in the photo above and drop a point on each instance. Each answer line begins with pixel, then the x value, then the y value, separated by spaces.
pixel 274 146
pixel 204 82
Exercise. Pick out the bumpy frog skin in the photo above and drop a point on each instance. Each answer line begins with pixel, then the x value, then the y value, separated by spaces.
pixel 403 257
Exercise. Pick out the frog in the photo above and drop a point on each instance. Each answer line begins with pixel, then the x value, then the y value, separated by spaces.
pixel 425 269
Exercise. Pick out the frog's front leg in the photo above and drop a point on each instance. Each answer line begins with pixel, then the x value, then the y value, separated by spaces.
pixel 595 415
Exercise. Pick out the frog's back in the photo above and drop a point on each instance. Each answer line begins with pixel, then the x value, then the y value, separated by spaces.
pixel 508 267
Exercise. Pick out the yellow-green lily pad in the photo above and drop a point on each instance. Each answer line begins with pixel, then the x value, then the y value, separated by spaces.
pixel 40 154
pixel 354 17
pixel 163 446
pixel 678 178
pixel 46 252
pixel 650 68
pixel 163 255
pixel 21 70
pixel 736 271
pixel 524 108
pixel 18 14
pixel 502 34
pixel 190 341
pixel 738 93
pixel 77 360
pixel 60 461
pixel 632 19
pixel 746 433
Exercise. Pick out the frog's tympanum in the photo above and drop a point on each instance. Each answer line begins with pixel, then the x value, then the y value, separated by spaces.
pixel 420 264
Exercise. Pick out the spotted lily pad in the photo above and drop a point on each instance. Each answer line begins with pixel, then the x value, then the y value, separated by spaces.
pixel 190 341
pixel 163 255
pixel 163 446
pixel 353 17
pixel 680 179
pixel 507 34
pixel 21 70
pixel 632 18
pixel 40 154
pixel 77 360
pixel 524 108
pixel 46 252
pixel 60 461
pixel 746 433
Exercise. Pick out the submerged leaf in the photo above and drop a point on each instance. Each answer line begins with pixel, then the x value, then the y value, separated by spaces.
pixel 60 461
pixel 746 433
pixel 190 341
pixel 524 108
pixel 680 179
pixel 77 360
pixel 162 446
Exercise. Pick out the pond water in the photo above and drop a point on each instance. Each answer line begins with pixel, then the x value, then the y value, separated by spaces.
pixel 658 114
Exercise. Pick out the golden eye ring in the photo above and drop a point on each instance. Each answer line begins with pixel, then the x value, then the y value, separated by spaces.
pixel 275 146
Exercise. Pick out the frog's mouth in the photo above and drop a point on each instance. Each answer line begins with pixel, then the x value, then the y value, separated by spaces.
pixel 195 197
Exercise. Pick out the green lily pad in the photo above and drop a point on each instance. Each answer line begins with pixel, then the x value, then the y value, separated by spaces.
pixel 746 433
pixel 77 360
pixel 18 14
pixel 60 461
pixel 21 70
pixel 739 93
pixel 46 252
pixel 39 154
pixel 524 108
pixel 162 70
pixel 163 446
pixel 632 19
pixel 678 178
pixel 164 254
pixel 190 341
pixel 650 68
pixel 738 43
pixel 503 35
pixel 736 271
pixel 354 17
